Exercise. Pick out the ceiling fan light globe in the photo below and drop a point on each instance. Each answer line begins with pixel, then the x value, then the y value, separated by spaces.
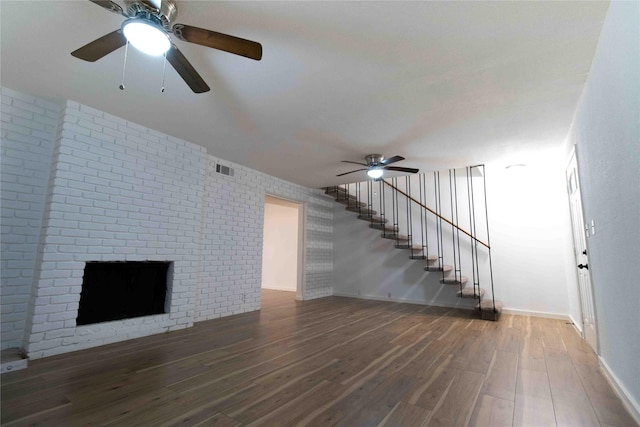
pixel 146 37
pixel 374 173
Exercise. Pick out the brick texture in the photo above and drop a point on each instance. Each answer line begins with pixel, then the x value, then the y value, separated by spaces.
pixel 81 185
pixel 28 129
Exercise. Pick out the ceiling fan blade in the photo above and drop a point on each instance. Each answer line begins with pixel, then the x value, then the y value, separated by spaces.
pixel 400 169
pixel 110 6
pixel 392 160
pixel 186 70
pixel 347 173
pixel 219 41
pixel 101 47
pixel 355 163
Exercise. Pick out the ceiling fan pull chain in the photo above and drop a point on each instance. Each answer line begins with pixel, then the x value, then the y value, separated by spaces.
pixel 164 67
pixel 124 65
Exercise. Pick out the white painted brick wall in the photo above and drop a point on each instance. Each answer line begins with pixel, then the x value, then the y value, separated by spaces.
pixel 131 195
pixel 120 191
pixel 28 127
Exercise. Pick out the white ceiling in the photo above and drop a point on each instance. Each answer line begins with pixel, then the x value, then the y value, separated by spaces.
pixel 444 84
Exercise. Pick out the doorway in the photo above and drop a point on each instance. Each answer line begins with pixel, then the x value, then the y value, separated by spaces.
pixel 585 291
pixel 283 246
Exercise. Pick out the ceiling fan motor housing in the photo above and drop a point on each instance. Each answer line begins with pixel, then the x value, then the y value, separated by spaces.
pixel 374 159
pixel 165 15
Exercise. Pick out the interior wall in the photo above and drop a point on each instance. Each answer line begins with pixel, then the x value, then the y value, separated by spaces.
pixel 531 234
pixel 606 131
pixel 280 245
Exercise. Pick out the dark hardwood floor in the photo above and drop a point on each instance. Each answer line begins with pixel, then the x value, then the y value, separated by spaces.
pixel 332 361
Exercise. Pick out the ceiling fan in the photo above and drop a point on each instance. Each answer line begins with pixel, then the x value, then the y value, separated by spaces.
pixel 148 27
pixel 376 163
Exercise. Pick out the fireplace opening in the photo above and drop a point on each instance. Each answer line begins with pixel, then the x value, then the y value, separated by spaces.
pixel 122 290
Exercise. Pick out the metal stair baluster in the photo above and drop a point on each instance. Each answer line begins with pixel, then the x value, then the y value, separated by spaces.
pixel 423 214
pixel 484 187
pixel 453 229
pixel 474 232
pixel 407 184
pixel 439 222
pixel 382 208
pixel 457 231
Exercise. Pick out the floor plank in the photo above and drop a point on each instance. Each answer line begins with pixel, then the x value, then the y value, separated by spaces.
pixel 492 411
pixel 405 415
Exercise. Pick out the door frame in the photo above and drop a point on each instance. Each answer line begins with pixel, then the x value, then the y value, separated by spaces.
pixel 573 159
pixel 301 253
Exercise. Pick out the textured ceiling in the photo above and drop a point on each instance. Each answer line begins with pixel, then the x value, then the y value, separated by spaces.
pixel 444 84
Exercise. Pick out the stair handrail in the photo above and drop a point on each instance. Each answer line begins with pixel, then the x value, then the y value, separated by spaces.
pixel 486 245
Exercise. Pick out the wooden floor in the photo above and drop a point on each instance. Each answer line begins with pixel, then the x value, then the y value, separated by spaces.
pixel 332 361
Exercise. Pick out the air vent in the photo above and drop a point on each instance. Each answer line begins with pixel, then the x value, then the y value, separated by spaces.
pixel 224 170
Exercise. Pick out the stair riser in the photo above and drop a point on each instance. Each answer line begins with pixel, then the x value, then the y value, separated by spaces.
pixel 372 219
pixel 445 268
pixel 390 236
pixel 471 293
pixel 381 227
pixel 351 202
pixel 454 281
pixel 361 211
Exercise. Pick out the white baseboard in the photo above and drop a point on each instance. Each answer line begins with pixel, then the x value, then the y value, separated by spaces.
pixel 12 360
pixel 576 326
pixel 467 307
pixel 627 400
pixel 278 288
pixel 533 313
pixel 403 300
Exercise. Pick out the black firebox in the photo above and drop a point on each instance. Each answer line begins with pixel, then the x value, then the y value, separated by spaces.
pixel 122 290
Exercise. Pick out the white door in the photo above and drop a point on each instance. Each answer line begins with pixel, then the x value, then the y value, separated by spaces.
pixel 581 256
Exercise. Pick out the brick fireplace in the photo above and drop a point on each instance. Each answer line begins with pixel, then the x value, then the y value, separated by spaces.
pixel 117 192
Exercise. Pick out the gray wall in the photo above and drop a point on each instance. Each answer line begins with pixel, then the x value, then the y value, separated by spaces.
pixel 606 130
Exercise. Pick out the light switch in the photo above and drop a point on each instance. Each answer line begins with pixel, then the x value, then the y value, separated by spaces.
pixel 593 227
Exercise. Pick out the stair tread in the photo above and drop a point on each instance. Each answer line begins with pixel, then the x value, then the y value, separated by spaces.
pixel 378 226
pixel 394 236
pixel 361 210
pixel 487 304
pixel 471 292
pixel 351 202
pixel 445 268
pixel 454 281
pixel 373 218
pixel 334 190
pixel 414 248
pixel 487 310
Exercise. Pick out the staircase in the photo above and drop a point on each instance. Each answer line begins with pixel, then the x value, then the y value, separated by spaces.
pixel 392 208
